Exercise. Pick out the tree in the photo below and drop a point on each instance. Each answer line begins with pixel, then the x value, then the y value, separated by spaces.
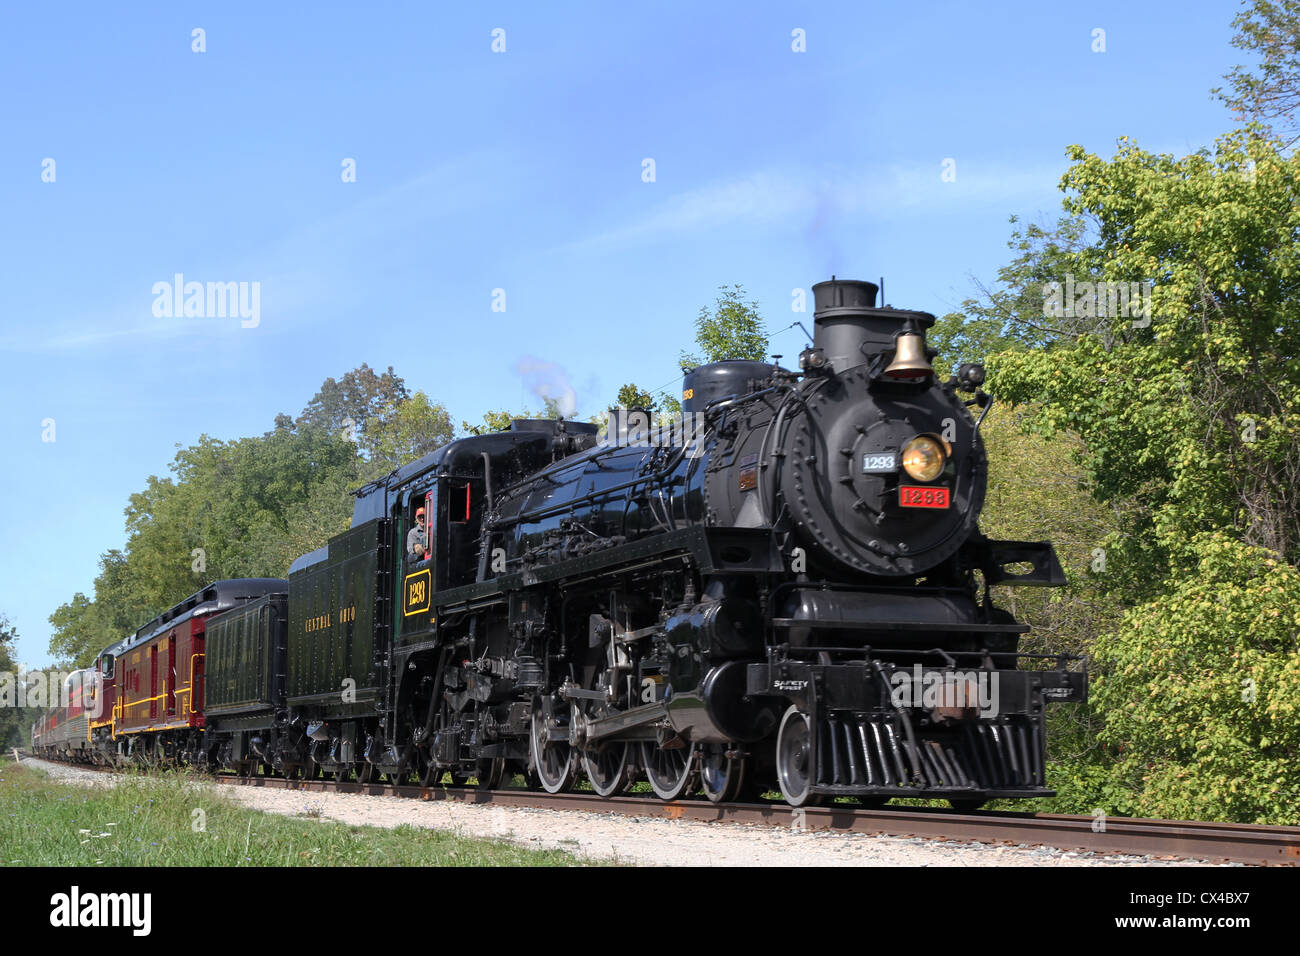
pixel 353 402
pixel 633 396
pixel 1036 491
pixel 499 421
pixel 248 507
pixel 1270 93
pixel 1183 420
pixel 1009 314
pixel 1191 423
pixel 733 330
pixel 83 627
pixel 15 722
pixel 407 432
pixel 1201 692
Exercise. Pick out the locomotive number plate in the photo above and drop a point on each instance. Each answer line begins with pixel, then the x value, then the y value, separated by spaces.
pixel 417 592
pixel 910 496
pixel 879 462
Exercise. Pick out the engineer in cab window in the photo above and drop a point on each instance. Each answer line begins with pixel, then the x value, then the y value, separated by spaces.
pixel 417 545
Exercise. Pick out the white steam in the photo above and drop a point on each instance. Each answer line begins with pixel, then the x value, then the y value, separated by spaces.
pixel 550 383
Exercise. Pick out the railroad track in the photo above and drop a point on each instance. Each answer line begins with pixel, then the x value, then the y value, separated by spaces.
pixel 1226 842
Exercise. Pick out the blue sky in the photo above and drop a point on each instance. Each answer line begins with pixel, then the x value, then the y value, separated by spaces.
pixel 475 171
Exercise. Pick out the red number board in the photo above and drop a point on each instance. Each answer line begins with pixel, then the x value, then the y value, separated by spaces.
pixel 910 496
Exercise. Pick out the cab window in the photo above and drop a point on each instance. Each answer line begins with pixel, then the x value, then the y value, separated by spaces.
pixel 458 502
pixel 419 529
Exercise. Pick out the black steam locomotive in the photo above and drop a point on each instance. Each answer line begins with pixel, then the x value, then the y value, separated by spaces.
pixel 786 588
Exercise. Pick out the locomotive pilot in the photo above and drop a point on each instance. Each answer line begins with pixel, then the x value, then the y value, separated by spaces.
pixel 416 544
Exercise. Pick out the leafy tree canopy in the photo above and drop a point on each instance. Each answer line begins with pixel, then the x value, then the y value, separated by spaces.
pixel 1201 691
pixel 732 330
pixel 1192 421
pixel 248 507
pixel 633 396
pixel 499 421
pixel 1268 92
pixel 352 403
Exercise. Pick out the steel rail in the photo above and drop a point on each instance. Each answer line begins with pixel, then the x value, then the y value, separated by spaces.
pixel 1230 842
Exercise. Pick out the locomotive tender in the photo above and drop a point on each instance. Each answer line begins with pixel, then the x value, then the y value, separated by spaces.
pixel 792 592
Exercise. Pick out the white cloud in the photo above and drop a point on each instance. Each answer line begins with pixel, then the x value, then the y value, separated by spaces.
pixel 808 199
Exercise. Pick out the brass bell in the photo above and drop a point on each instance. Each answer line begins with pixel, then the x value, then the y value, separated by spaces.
pixel 909 357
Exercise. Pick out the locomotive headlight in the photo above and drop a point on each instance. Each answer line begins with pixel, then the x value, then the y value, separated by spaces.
pixel 923 458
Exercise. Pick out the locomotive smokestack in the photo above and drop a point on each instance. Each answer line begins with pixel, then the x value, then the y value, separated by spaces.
pixel 848 327
pixel 840 313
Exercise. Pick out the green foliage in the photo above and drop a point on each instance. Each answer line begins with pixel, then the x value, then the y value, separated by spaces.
pixel 1037 492
pixel 1009 315
pixel 1177 441
pixel 499 421
pixel 15 722
pixel 733 330
pixel 352 403
pixel 1270 94
pixel 633 396
pixel 248 507
pixel 84 626
pixel 1192 423
pixel 1201 690
pixel 406 432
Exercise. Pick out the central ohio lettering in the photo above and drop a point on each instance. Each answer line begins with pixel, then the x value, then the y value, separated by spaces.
pixel 322 621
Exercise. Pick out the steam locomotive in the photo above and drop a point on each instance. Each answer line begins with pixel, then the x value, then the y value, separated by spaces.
pixel 785 588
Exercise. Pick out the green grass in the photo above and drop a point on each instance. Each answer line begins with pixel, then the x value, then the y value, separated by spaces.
pixel 150 820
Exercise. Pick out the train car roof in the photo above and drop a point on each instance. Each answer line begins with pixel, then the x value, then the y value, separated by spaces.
pixel 216 597
pixel 281 594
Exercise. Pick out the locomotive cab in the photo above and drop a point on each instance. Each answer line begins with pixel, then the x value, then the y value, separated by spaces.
pixel 453 513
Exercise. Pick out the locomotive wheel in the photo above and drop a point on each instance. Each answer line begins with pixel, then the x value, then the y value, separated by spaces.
pixel 671 771
pixel 430 772
pixel 794 759
pixel 367 772
pixel 610 767
pixel 490 772
pixel 723 778
pixel 552 759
